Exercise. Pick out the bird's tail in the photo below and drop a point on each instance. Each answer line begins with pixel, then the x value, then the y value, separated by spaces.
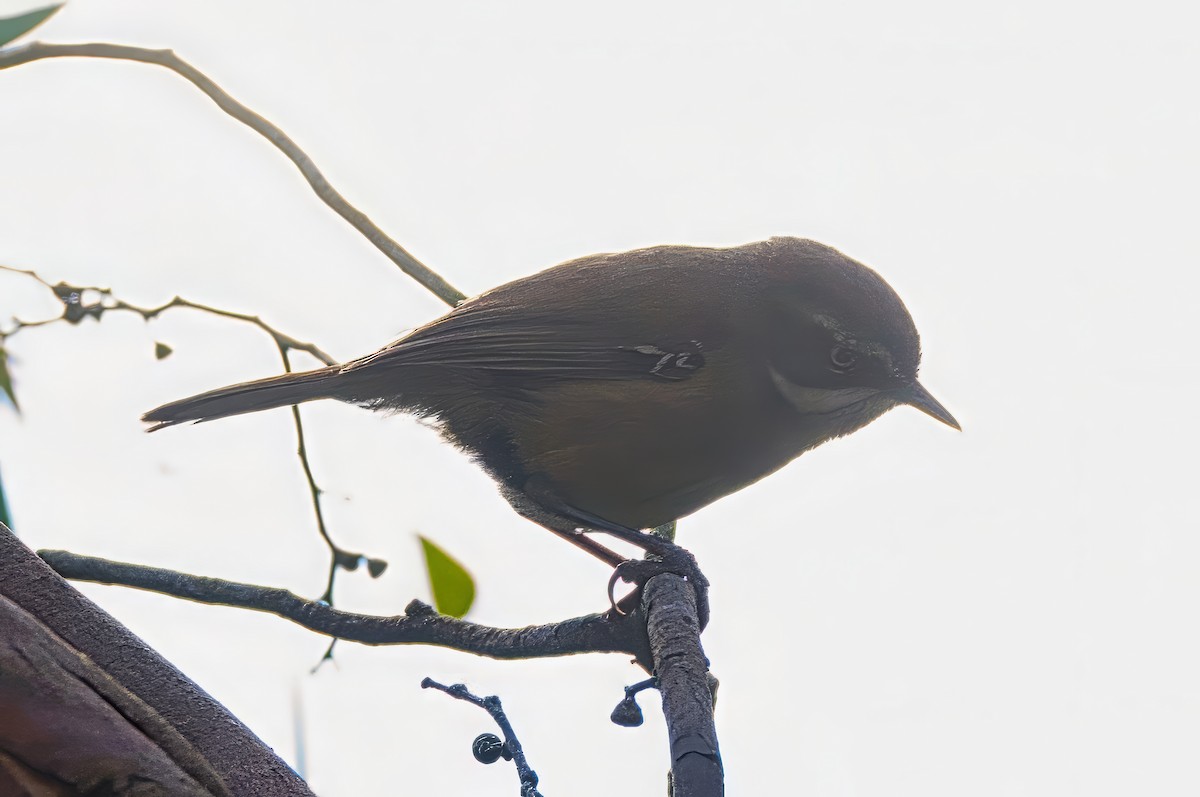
pixel 261 394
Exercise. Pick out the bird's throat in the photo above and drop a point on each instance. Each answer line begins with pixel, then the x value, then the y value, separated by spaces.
pixel 819 400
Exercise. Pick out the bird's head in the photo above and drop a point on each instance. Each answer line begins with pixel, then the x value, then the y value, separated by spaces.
pixel 841 343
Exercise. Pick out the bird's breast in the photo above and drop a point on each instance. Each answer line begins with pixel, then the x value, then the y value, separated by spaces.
pixel 645 452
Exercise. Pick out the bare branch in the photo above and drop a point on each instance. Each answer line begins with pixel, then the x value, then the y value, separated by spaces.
pixel 681 670
pixel 431 280
pixel 593 633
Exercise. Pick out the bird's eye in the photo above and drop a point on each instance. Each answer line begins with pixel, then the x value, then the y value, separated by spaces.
pixel 842 360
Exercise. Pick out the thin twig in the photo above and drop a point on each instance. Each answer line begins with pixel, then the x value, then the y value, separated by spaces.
pixel 431 280
pixel 491 704
pixel 339 556
pixel 75 310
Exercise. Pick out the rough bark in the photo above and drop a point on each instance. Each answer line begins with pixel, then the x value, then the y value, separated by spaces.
pixel 134 723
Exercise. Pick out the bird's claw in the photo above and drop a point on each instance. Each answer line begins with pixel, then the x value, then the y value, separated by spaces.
pixel 677 561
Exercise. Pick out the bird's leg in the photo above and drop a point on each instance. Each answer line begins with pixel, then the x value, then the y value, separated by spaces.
pixel 540 505
pixel 562 527
pixel 584 542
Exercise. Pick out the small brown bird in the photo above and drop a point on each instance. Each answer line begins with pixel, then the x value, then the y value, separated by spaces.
pixel 623 391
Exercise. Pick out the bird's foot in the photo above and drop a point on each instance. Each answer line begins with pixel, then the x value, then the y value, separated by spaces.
pixel 674 560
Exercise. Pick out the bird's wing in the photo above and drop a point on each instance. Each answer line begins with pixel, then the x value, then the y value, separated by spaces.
pixel 530 346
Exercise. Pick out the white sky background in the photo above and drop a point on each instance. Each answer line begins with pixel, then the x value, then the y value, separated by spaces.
pixel 1009 611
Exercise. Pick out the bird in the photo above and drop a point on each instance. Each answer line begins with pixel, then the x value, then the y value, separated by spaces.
pixel 620 392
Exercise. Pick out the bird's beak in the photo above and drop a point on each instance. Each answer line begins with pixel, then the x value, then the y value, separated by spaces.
pixel 922 399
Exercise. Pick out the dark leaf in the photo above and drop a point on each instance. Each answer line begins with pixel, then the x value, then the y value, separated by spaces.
pixel 6 385
pixel 12 27
pixel 453 587
pixel 5 517
pixel 162 351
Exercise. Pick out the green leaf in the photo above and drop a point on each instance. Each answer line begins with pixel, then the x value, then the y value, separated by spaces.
pixel 5 517
pixel 162 351
pixel 12 27
pixel 6 385
pixel 453 587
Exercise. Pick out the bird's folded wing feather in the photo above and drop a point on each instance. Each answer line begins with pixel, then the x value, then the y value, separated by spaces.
pixel 535 346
